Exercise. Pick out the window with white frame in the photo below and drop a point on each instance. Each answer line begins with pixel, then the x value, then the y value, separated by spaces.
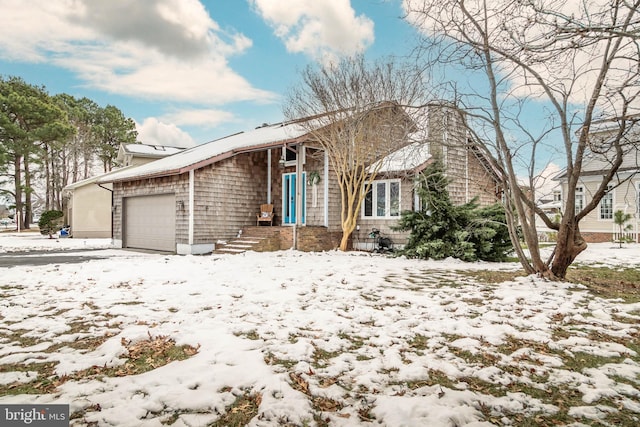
pixel 579 199
pixel 606 204
pixel 382 200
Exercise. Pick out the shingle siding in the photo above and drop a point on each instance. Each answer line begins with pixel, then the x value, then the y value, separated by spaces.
pixel 228 195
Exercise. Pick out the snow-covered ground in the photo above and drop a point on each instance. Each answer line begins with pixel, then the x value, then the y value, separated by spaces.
pixel 371 334
pixel 28 241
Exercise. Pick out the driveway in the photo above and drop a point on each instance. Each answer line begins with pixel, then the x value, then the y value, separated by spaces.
pixel 12 259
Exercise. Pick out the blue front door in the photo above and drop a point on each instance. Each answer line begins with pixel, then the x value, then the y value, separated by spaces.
pixel 289 198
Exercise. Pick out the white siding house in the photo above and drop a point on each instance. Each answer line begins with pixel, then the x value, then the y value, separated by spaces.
pixel 623 194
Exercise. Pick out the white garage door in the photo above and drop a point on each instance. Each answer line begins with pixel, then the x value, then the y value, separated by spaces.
pixel 150 222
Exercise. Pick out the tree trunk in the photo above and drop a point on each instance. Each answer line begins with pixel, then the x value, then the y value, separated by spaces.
pixel 344 243
pixel 63 179
pixel 348 222
pixel 17 180
pixel 76 161
pixel 48 168
pixel 27 194
pixel 87 163
pixel 568 246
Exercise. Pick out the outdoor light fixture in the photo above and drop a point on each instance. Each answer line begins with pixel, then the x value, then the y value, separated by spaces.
pixel 180 205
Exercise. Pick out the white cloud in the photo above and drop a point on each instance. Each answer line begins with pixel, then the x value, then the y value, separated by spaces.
pixel 154 132
pixel 205 118
pixel 319 29
pixel 156 49
pixel 150 75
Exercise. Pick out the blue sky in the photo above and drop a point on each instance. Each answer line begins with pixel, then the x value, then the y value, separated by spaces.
pixel 190 71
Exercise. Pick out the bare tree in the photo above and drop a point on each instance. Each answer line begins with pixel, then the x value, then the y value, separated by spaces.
pixel 356 111
pixel 577 62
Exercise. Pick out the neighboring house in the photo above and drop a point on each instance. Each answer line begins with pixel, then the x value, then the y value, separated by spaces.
pixel 139 154
pixel 624 194
pixel 552 207
pixel 88 205
pixel 187 202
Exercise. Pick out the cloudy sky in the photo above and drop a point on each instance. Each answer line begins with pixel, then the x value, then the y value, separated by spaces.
pixel 189 71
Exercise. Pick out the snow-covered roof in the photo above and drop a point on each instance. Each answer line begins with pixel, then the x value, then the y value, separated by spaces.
pixel 597 163
pixel 408 158
pixel 94 179
pixel 213 151
pixel 150 150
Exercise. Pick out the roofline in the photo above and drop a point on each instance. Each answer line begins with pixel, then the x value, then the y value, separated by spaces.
pixel 563 174
pixel 211 160
pixel 94 179
pixel 259 147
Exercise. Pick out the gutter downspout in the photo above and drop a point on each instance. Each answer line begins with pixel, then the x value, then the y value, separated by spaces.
pixel 191 207
pixel 326 189
pixel 299 185
pixel 269 176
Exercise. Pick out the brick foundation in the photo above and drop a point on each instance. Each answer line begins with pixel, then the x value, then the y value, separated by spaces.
pixel 317 239
pixel 597 237
pixel 310 238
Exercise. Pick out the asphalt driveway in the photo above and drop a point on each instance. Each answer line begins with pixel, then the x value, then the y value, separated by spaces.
pixel 12 259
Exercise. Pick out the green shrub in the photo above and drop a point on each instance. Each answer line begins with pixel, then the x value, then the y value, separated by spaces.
pixel 440 229
pixel 50 222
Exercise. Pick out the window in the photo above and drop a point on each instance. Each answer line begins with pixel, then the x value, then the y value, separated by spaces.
pixel 606 204
pixel 579 199
pixel 290 155
pixel 638 198
pixel 382 200
pixel 557 196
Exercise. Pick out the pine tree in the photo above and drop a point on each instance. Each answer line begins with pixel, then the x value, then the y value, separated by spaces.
pixel 440 229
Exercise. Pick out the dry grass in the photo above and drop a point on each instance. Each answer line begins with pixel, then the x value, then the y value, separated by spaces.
pixel 610 283
pixel 142 356
pixel 240 412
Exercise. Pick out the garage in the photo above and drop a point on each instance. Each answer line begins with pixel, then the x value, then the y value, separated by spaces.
pixel 150 222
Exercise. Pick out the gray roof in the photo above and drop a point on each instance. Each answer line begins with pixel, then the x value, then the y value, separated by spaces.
pixel 213 151
pixel 602 155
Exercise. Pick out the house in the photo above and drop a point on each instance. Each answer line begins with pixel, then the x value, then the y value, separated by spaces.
pixel 139 154
pixel 88 203
pixel 189 202
pixel 624 189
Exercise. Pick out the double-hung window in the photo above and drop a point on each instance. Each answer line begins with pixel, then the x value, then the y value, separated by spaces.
pixel 382 200
pixel 579 199
pixel 606 204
